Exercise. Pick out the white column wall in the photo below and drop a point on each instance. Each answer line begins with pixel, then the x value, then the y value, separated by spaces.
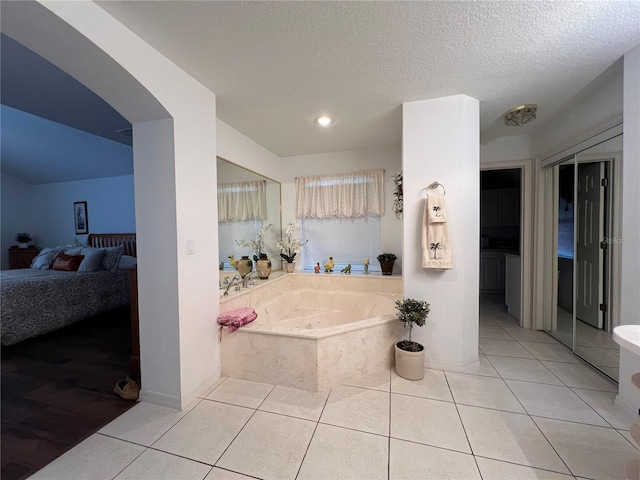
pixel 628 395
pixel 175 180
pixel 155 184
pixel 440 142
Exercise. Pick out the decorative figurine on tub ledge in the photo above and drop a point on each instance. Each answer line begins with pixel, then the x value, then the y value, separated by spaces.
pixel 365 263
pixel 347 269
pixel 328 267
pixel 317 268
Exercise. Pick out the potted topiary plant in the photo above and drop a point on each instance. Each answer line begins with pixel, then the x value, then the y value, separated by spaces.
pixel 23 239
pixel 386 262
pixel 409 354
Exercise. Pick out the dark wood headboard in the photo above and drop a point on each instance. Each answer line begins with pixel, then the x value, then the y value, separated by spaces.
pixel 106 240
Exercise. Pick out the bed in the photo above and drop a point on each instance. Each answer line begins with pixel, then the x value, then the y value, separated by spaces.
pixel 34 302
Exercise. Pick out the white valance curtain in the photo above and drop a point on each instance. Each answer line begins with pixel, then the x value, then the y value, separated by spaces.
pixel 346 195
pixel 239 202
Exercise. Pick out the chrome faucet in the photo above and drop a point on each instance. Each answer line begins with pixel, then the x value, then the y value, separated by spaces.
pixel 245 282
pixel 234 281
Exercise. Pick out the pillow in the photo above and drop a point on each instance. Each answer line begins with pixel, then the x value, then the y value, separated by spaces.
pixel 45 258
pixel 127 262
pixel 72 250
pixel 92 259
pixel 67 263
pixel 111 258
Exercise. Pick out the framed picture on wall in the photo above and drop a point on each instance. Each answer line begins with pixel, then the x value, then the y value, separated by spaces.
pixel 81 218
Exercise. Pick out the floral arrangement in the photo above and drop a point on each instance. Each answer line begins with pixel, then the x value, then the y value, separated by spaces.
pixel 290 247
pixel 397 195
pixel 256 245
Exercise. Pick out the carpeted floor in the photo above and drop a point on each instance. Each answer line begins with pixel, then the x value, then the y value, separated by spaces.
pixel 57 390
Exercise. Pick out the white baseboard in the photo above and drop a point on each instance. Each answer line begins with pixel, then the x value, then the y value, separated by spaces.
pixel 179 403
pixel 161 399
pixel 451 366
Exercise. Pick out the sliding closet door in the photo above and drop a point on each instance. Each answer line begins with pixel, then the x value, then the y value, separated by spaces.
pixel 580 192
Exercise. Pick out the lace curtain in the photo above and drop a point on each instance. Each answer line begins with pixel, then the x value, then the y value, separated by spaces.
pixel 239 202
pixel 347 195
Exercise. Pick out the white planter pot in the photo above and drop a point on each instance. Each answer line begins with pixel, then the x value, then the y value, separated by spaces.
pixel 409 365
pixel 23 245
pixel 290 267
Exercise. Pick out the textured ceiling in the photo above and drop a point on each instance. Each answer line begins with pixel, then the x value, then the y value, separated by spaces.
pixel 274 66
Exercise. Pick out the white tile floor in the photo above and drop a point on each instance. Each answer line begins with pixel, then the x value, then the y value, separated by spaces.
pixel 516 416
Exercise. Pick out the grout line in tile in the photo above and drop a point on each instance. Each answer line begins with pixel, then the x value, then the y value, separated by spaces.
pixel 354 429
pixel 637 447
pixel 475 459
pixel 574 421
pixel 553 418
pixel 508 356
pixel 523 465
pixel 367 388
pixel 426 398
pixel 121 439
pixel 432 446
pixel 227 403
pixel 287 415
pixel 209 392
pixel 181 456
pixel 234 438
pixel 127 466
pixel 597 413
pixel 529 381
pixel 549 370
pixel 587 388
pixel 313 434
pixel 179 420
pixel 234 471
pixel 464 429
pixel 495 409
pixel 551 444
pixel 266 396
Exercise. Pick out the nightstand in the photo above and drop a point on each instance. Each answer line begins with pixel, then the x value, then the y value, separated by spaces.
pixel 22 257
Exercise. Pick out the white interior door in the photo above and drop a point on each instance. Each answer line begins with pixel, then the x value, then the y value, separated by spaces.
pixel 589 234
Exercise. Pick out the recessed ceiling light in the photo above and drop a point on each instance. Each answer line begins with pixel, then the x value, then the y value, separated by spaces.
pixel 324 120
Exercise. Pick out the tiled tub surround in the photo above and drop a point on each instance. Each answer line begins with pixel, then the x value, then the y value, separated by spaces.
pixel 314 331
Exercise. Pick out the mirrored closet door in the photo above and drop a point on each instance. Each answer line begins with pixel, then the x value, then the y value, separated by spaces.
pixel 582 253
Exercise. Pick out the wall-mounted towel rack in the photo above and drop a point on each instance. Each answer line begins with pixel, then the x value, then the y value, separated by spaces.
pixel 434 186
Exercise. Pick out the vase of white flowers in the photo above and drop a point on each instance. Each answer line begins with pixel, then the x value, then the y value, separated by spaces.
pixel 256 245
pixel 289 247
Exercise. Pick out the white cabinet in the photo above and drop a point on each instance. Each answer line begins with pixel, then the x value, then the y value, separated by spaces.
pixel 512 284
pixel 491 272
pixel 500 207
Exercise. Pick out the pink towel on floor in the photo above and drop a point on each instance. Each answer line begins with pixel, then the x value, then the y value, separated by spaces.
pixel 237 318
